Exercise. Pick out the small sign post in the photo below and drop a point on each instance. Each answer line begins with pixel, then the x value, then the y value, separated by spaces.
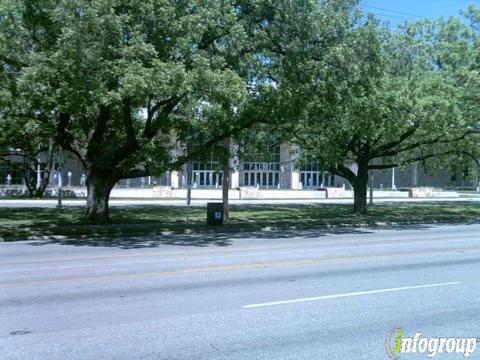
pixel 60 180
pixel 189 189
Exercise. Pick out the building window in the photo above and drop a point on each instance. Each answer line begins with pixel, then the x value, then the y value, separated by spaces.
pixel 207 174
pixel 311 176
pixel 141 182
pixel 10 174
pixel 262 173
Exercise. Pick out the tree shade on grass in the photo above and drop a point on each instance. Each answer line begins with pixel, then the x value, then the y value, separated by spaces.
pixel 161 220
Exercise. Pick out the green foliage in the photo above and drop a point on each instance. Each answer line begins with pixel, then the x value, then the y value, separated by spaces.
pixel 20 132
pixel 137 88
pixel 363 97
pixel 168 76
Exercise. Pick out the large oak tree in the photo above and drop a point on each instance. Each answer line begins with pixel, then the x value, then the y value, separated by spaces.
pixel 379 99
pixel 25 143
pixel 137 88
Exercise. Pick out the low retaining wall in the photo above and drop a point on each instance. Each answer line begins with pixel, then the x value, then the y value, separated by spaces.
pixel 390 194
pixel 427 192
pixel 253 193
pixel 204 194
pixel 133 193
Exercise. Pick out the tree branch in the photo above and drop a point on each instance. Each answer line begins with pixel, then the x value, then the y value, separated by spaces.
pixel 65 139
pixel 214 141
pixel 418 144
pixel 131 145
pixel 343 171
pixel 158 113
pixel 395 143
pixel 382 167
pixel 128 124
pixel 101 125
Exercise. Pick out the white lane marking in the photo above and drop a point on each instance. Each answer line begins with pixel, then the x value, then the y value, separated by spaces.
pixel 338 296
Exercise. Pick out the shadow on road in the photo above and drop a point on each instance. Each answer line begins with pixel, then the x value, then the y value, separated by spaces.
pixel 216 237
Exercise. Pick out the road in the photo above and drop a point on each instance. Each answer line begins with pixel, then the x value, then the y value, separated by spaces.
pixel 265 295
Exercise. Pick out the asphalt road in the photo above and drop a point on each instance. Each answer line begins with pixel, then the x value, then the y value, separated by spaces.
pixel 310 295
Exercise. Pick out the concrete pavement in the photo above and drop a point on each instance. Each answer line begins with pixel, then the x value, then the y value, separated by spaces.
pixel 265 295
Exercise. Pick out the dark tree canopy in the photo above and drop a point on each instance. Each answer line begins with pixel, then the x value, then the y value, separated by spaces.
pixel 136 88
pixel 380 99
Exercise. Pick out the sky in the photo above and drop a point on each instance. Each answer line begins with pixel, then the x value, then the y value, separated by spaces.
pixel 396 11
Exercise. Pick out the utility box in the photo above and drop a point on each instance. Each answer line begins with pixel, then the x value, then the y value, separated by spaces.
pixel 215 214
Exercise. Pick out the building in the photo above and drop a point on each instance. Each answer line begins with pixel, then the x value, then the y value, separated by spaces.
pixel 275 167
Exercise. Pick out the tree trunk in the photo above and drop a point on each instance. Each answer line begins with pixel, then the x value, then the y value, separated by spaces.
pixel 36 190
pixel 225 189
pixel 31 182
pixel 98 194
pixel 226 179
pixel 360 186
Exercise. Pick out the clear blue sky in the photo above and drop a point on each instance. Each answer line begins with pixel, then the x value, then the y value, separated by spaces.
pixel 396 11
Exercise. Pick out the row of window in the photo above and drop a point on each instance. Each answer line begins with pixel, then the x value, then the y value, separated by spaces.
pixel 316 179
pixel 202 166
pixel 263 178
pixel 270 155
pixel 141 182
pixel 200 178
pixel 310 166
pixel 207 178
pixel 10 175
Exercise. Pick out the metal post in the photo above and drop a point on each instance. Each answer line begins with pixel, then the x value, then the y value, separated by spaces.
pixel 9 181
pixel 477 187
pixel 415 175
pixel 371 189
pixel 189 189
pixel 394 187
pixel 39 173
pixel 60 189
pixel 60 178
pixel 24 183
pixel 282 176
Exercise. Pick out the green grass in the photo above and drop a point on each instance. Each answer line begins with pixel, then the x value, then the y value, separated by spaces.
pixel 22 223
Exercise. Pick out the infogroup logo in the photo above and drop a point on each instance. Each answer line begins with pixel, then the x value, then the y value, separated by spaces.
pixel 397 343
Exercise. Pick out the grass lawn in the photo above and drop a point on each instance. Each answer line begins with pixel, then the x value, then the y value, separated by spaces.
pixel 21 223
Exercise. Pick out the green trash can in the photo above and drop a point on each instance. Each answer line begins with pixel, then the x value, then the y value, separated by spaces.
pixel 215 214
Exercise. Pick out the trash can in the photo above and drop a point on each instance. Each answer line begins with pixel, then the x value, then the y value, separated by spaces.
pixel 214 214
